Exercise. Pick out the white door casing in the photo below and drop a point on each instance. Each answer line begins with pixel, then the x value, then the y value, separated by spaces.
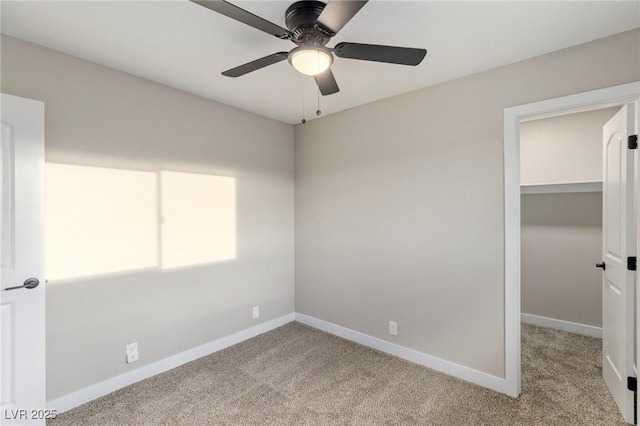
pixel 22 310
pixel 636 321
pixel 636 180
pixel 618 243
pixel 578 102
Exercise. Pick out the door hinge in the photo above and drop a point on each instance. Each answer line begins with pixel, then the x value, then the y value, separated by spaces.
pixel 632 263
pixel 633 141
pixel 632 384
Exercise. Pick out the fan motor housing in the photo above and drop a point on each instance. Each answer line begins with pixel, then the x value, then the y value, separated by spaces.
pixel 301 19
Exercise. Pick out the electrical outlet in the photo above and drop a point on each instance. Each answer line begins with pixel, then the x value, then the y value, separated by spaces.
pixel 131 352
pixel 393 328
pixel 256 312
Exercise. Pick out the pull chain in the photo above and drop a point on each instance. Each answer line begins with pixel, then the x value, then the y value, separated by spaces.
pixel 318 112
pixel 304 120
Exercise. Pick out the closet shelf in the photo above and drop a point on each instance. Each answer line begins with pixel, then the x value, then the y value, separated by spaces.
pixel 559 188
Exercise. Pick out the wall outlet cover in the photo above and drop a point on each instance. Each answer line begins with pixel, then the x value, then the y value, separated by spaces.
pixel 256 312
pixel 131 352
pixel 393 328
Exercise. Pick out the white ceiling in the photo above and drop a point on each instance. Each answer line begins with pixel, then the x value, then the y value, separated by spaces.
pixel 183 45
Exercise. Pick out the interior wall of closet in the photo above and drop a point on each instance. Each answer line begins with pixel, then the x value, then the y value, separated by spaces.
pixel 561 211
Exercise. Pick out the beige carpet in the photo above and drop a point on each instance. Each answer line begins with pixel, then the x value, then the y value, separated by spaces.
pixel 296 375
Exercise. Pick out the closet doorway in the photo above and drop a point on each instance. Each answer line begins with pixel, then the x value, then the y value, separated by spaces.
pixel 627 94
pixel 561 221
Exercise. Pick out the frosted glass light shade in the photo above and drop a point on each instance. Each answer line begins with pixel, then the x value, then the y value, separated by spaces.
pixel 310 60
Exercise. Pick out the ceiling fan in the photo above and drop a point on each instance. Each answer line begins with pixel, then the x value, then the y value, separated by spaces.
pixel 311 24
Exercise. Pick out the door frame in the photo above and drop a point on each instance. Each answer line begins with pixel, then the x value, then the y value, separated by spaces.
pixel 594 99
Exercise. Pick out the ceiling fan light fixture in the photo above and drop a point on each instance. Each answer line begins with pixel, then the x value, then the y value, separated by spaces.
pixel 311 60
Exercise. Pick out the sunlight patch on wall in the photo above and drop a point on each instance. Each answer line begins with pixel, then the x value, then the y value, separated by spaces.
pixel 198 222
pixel 99 220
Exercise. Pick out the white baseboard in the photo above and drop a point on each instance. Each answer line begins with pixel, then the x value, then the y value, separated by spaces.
pixel 82 396
pixel 483 379
pixel 573 327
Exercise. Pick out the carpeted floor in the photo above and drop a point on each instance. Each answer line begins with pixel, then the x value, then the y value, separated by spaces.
pixel 296 375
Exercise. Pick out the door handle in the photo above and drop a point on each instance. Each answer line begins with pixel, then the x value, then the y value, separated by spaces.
pixel 29 283
pixel 601 265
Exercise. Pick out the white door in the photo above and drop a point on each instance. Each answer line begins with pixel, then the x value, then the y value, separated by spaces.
pixel 636 320
pixel 22 350
pixel 618 243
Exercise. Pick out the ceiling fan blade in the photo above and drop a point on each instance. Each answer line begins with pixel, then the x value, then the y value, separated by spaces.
pixel 256 65
pixel 327 83
pixel 337 13
pixel 234 12
pixel 374 52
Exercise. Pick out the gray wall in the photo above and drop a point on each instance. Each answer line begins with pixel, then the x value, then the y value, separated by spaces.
pixel 96 116
pixel 562 233
pixel 561 242
pixel 563 149
pixel 399 203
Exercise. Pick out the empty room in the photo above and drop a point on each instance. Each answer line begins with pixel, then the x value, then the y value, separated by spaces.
pixel 319 212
